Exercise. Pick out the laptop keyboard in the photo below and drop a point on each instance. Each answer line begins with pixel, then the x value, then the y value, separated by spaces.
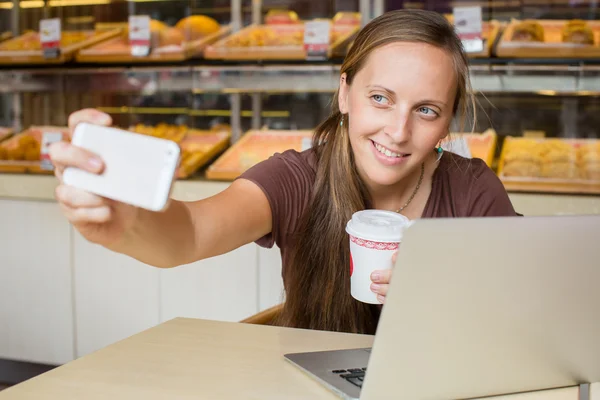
pixel 353 375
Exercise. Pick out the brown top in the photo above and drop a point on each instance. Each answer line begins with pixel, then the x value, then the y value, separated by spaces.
pixel 460 188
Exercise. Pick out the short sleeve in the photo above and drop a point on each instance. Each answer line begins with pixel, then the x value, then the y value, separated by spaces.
pixel 487 196
pixel 287 180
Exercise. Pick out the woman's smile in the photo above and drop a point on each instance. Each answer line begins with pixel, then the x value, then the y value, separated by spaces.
pixel 386 156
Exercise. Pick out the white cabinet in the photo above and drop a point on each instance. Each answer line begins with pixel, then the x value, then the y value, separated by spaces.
pixel 36 303
pixel 115 296
pixel 62 297
pixel 270 283
pixel 220 288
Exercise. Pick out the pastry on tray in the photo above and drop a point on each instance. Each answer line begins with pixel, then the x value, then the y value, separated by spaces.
pixel 591 149
pixel 558 151
pixel 528 31
pixel 522 168
pixel 22 148
pixel 552 158
pixel 591 172
pixel 175 133
pixel 561 170
pixel 589 161
pixel 578 32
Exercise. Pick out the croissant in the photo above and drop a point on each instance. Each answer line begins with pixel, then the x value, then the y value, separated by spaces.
pixel 528 31
pixel 577 31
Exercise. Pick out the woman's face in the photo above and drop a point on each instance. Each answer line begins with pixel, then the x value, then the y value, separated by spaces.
pixel 399 107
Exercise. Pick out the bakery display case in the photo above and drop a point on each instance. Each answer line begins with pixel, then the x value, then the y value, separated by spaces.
pixel 282 38
pixel 568 165
pixel 188 38
pixel 576 39
pixel 223 75
pixel 27 48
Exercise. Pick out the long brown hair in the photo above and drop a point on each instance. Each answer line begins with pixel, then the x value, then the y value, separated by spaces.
pixel 317 277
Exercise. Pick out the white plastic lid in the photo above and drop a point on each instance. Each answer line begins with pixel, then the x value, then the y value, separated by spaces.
pixel 382 226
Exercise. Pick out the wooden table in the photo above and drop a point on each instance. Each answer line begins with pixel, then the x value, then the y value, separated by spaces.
pixel 198 359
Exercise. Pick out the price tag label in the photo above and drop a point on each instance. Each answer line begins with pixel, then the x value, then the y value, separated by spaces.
pixel 139 35
pixel 50 35
pixel 467 22
pixel 47 139
pixel 316 39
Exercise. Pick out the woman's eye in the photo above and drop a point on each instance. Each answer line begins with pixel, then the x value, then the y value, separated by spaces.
pixel 379 99
pixel 427 111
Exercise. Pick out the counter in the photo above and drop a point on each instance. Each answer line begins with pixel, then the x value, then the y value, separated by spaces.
pixel 41 187
pixel 62 297
pixel 194 359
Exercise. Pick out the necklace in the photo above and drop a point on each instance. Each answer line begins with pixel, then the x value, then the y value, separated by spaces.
pixel 412 196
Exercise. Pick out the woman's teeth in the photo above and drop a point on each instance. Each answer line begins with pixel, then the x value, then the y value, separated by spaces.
pixel 385 151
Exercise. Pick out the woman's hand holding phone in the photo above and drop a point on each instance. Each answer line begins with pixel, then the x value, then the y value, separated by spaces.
pixel 99 220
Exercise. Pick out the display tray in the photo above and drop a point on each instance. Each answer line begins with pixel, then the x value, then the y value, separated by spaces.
pixel 118 50
pixel 176 133
pixel 552 46
pixel 256 146
pixel 481 145
pixel 26 49
pixel 275 42
pixel 198 147
pixel 21 152
pixel 550 165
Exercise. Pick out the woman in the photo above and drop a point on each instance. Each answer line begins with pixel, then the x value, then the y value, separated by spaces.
pixel 403 81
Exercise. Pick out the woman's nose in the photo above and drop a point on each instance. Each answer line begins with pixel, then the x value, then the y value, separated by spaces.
pixel 398 128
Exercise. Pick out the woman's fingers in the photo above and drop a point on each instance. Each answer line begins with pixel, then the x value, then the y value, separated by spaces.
pixel 381 276
pixel 380 288
pixel 77 198
pixel 63 154
pixel 91 116
pixel 97 215
pixel 381 280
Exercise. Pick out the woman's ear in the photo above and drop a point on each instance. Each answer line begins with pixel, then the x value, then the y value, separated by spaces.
pixel 343 94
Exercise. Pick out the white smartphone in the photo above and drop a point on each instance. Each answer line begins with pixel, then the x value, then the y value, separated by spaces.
pixel 139 170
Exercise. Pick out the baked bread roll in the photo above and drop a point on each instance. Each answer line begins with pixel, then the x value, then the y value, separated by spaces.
pixel 522 168
pixel 563 170
pixel 591 171
pixel 578 32
pixel 528 31
pixel 589 161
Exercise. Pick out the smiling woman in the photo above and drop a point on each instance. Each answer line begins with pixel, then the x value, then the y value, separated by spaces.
pixel 403 81
pixel 401 84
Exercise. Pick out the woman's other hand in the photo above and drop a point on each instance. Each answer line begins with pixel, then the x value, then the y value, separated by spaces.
pixel 381 281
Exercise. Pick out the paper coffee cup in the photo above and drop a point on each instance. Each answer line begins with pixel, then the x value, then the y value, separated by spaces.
pixel 375 236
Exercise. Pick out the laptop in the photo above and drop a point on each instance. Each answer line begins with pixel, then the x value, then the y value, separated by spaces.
pixel 479 307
